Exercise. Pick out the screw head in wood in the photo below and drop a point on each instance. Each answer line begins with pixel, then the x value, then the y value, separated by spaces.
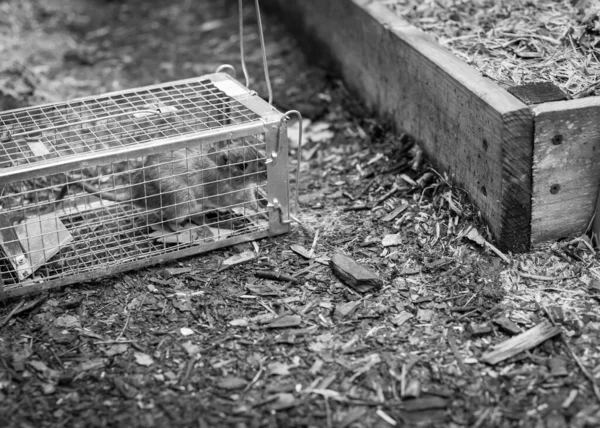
pixel 554 189
pixel 557 139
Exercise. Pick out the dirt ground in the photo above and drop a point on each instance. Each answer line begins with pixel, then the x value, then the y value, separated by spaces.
pixel 183 344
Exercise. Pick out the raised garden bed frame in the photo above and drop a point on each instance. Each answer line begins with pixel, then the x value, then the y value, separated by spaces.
pixel 530 169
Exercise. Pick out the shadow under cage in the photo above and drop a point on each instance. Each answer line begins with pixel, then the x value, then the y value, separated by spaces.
pixel 105 184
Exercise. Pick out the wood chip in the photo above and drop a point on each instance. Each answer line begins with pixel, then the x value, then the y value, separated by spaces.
pixel 237 259
pixel 232 383
pixel 558 366
pixel 392 240
pixel 480 329
pixel 507 325
pixel 401 318
pixel 275 276
pixel 424 315
pixel 354 275
pixel 299 249
pixel 285 321
pixel 523 342
pixel 345 309
pixel 413 389
pixel 425 403
pixel 395 213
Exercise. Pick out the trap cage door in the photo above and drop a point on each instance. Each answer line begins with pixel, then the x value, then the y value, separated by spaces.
pixel 60 164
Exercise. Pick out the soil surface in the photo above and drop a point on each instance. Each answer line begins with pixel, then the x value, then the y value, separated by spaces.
pixel 189 344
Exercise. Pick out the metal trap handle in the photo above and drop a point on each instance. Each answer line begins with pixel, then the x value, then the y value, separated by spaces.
pixel 282 125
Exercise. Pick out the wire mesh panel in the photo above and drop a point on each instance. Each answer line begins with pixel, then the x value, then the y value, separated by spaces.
pixel 110 183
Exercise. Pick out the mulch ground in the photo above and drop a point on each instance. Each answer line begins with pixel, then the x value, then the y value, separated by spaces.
pixel 187 344
pixel 515 42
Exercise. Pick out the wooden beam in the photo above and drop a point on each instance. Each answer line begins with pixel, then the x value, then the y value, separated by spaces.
pixel 470 127
pixel 566 168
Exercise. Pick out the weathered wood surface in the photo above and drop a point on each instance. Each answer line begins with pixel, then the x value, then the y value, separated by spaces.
pixel 469 126
pixel 537 93
pixel 566 168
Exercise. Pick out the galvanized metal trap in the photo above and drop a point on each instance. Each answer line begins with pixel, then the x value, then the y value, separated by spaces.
pixel 104 184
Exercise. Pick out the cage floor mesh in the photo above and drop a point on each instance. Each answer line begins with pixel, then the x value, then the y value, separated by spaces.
pixel 107 234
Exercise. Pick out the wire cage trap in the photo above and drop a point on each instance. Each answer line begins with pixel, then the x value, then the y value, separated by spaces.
pixel 105 184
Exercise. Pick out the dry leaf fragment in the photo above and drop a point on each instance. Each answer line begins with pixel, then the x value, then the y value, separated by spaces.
pixel 392 240
pixel 67 321
pixel 43 369
pixel 354 414
pixel 299 249
pixel 126 390
pixel 284 401
pixel 143 359
pixel 182 303
pixel 88 333
pixel 480 329
pixel 232 383
pixel 558 366
pixel 186 331
pixel 279 369
pixel 285 321
pixel 118 349
pixel 473 235
pixel 345 309
pixel 264 290
pixel 424 315
pixel 240 322
pixel 178 270
pixel 413 389
pixel 316 367
pixel 401 318
pixel 237 259
pixel 94 364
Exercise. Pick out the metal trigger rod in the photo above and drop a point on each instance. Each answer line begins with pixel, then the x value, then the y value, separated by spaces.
pixel 262 47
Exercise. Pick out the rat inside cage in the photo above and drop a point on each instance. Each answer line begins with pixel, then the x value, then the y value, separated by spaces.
pixel 104 184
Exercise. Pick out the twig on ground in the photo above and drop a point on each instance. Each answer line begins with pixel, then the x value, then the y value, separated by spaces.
pixel 12 313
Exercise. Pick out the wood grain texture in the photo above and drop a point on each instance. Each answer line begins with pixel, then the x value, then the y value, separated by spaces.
pixel 470 127
pixel 565 168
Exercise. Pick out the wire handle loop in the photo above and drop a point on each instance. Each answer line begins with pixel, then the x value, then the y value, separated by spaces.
pixel 262 48
pixel 224 68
